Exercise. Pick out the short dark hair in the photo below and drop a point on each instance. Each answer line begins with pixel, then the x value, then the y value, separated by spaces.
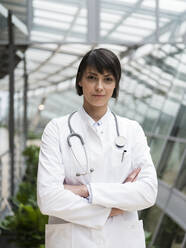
pixel 102 60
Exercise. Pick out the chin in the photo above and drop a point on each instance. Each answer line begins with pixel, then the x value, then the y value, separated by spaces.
pixel 99 104
pixel 96 102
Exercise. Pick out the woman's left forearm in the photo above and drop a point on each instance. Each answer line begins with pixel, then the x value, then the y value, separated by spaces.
pixel 80 190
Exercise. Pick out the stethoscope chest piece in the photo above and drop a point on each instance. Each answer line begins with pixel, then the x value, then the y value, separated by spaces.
pixel 120 141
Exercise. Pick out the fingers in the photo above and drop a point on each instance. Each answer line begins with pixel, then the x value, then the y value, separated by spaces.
pixel 116 211
pixel 133 175
pixel 137 172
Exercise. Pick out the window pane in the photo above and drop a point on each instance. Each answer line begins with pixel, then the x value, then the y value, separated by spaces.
pixel 134 25
pixel 152 116
pixel 156 147
pixel 181 182
pixel 150 218
pixel 170 162
pixel 167 117
pixel 170 235
pixel 179 129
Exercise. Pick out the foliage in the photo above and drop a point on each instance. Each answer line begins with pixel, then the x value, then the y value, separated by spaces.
pixel 148 237
pixel 26 194
pixel 26 227
pixel 31 154
pixel 33 135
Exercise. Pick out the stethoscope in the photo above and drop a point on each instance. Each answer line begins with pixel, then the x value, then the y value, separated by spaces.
pixel 120 142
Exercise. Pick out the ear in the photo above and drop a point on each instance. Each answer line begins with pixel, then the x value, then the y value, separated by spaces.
pixel 80 83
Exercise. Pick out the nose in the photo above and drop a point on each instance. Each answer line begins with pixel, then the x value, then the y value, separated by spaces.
pixel 99 85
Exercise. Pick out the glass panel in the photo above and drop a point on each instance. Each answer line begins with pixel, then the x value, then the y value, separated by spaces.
pixel 59 21
pixel 128 20
pixel 170 235
pixel 19 19
pixel 150 120
pixel 3 27
pixel 167 117
pixel 181 182
pixel 170 161
pixel 157 100
pixel 156 147
pixel 170 16
pixel 179 129
pixel 150 218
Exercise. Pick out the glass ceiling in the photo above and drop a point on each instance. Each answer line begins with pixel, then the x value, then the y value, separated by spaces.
pixel 120 21
pixel 147 38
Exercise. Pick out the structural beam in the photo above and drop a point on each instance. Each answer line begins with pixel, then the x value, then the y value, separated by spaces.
pixel 11 97
pixel 25 122
pixel 29 17
pixel 93 8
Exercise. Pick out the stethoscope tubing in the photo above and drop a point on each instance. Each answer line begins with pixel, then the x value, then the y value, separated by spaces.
pixel 74 134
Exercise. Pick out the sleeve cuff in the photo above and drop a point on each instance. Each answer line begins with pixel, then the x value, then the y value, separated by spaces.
pixel 90 193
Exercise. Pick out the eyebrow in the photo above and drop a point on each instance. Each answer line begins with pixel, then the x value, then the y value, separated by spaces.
pixel 105 75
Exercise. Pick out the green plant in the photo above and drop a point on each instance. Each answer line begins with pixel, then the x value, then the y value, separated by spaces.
pixel 32 135
pixel 26 194
pixel 26 227
pixel 31 154
pixel 148 238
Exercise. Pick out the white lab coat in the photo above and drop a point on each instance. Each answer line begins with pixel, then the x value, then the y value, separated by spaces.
pixel 74 222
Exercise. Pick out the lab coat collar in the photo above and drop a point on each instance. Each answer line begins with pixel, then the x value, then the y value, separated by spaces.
pixel 104 120
pixel 85 116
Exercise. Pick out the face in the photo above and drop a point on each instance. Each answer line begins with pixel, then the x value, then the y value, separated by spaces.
pixel 97 88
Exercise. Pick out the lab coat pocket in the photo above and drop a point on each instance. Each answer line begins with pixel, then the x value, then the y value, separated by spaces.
pixel 58 235
pixel 120 165
pixel 135 235
pixel 121 155
pixel 125 234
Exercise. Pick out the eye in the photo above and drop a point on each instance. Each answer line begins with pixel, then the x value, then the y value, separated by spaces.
pixel 91 77
pixel 108 79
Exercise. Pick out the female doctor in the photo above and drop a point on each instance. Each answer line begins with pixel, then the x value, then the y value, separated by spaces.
pixel 95 169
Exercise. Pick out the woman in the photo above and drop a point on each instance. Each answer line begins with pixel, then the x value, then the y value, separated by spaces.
pixel 95 169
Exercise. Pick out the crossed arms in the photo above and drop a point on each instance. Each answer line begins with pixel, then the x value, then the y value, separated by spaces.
pixel 82 190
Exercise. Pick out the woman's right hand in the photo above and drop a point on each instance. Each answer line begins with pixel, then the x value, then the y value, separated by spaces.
pixel 115 211
pixel 133 175
pixel 131 178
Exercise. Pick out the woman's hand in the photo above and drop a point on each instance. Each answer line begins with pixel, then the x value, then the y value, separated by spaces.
pixel 80 190
pixel 133 175
pixel 115 211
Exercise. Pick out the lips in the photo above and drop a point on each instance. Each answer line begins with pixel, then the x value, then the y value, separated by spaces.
pixel 99 95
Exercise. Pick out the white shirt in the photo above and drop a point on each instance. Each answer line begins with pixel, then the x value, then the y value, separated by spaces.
pixel 74 222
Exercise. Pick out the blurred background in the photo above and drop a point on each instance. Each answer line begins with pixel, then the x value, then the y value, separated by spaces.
pixel 41 45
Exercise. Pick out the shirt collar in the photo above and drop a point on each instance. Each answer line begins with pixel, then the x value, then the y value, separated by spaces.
pixel 90 120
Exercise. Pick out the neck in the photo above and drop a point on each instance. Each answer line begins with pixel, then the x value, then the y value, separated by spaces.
pixel 95 112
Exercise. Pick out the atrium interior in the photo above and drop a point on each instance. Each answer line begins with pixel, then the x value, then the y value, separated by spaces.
pixel 41 45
